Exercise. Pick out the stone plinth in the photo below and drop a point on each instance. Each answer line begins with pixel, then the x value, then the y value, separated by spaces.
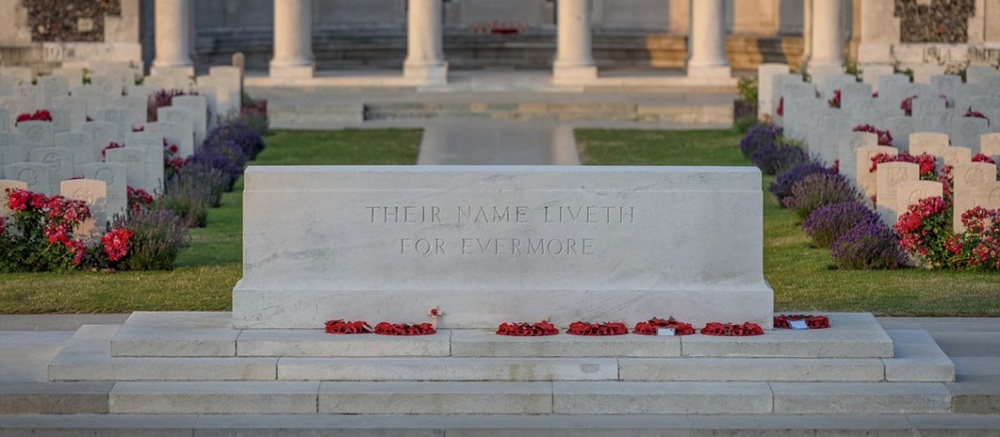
pixel 495 244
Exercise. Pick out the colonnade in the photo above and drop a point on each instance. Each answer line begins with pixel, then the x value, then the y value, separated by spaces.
pixel 425 62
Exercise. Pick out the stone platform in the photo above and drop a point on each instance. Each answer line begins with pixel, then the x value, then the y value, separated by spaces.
pixel 195 363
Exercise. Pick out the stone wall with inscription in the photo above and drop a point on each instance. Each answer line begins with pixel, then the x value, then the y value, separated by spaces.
pixel 494 244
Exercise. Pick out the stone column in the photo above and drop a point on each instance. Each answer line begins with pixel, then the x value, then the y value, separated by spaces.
pixel 707 40
pixel 827 36
pixel 424 55
pixel 173 37
pixel 293 56
pixel 574 60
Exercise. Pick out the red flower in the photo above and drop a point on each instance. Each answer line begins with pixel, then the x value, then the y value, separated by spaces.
pixel 835 101
pixel 781 107
pixel 907 106
pixel 983 158
pixel 117 243
pixel 884 137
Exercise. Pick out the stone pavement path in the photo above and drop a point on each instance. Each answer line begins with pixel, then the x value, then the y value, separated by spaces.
pixel 497 143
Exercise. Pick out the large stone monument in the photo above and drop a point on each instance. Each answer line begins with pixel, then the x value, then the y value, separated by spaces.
pixel 495 244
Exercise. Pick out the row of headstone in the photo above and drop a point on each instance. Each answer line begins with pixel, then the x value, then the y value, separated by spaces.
pixel 810 119
pixel 897 185
pixel 103 192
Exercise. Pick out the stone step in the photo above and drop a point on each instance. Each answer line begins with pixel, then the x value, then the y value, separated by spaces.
pixel 175 334
pixel 587 398
pixel 789 425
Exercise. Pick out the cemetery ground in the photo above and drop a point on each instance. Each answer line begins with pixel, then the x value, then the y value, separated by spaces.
pixel 802 276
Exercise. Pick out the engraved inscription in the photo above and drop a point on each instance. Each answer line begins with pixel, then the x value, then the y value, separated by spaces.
pixel 482 217
pixel 975 177
pixel 916 196
pixel 896 175
pixel 994 198
pixel 28 175
pixel 105 174
pixel 85 195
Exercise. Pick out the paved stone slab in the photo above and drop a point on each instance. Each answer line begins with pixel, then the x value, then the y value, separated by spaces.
pixel 855 398
pixel 751 369
pixel 450 369
pixel 917 358
pixel 314 343
pixel 435 398
pixel 661 398
pixel 175 334
pixel 54 398
pixel 87 357
pixel 480 343
pixel 851 335
pixel 277 397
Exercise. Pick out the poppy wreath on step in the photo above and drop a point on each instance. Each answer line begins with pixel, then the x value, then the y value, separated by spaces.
pixel 732 330
pixel 386 328
pixel 651 326
pixel 597 329
pixel 345 327
pixel 523 329
pixel 813 322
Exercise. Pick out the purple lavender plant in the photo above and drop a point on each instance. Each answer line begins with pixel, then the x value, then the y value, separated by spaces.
pixel 159 236
pixel 819 189
pixel 759 135
pixel 776 157
pixel 868 246
pixel 782 185
pixel 827 223
pixel 250 142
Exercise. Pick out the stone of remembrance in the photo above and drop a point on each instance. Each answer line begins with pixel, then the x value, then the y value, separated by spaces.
pixel 494 244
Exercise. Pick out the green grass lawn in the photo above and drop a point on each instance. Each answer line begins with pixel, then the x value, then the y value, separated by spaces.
pixel 803 277
pixel 206 271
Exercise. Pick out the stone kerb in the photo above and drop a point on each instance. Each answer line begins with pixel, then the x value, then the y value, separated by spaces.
pixel 494 244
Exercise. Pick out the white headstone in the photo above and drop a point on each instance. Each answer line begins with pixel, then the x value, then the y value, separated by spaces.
pixel 198 107
pixel 6 122
pixel 152 144
pixel 81 143
pixel 16 106
pixel 95 193
pixel 766 104
pixel 900 128
pixel 109 86
pixel 780 80
pixel 955 155
pixel 77 109
pixel 966 132
pixel 135 165
pixel 847 153
pixel 35 174
pixel 137 106
pixel 114 175
pixel 852 95
pixel 175 134
pixel 912 192
pixel 229 83
pixel 946 83
pixel 888 177
pixel 989 145
pixel 51 87
pixel 13 146
pixel 7 85
pixel 62 119
pixel 96 98
pixel 925 106
pixel 121 117
pixel 60 163
pixel 37 134
pixel 9 184
pixel 921 142
pixel 863 163
pixel 968 178
pixel 103 133
pixel 144 91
